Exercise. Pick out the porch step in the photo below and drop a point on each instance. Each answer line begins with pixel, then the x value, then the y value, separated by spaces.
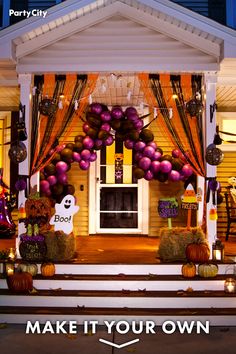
pixel 216 316
pixel 132 269
pixel 121 281
pixel 126 298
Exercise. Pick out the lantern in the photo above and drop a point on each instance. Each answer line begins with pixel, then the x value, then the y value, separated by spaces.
pixel 12 254
pixel 230 285
pixel 218 251
pixel 9 268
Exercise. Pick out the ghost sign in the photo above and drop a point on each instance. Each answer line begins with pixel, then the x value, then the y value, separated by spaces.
pixel 64 212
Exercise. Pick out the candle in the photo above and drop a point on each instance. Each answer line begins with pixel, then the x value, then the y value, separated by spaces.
pixel 230 285
pixel 12 254
pixel 9 269
pixel 217 255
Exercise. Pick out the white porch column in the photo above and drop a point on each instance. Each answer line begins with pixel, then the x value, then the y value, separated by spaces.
pixel 25 82
pixel 210 128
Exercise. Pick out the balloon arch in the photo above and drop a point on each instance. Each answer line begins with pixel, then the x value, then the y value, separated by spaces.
pixel 101 128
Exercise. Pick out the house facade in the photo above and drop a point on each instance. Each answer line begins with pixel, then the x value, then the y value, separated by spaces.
pixel 125 37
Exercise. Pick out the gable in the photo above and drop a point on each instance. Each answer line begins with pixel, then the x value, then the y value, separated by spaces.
pixel 117 43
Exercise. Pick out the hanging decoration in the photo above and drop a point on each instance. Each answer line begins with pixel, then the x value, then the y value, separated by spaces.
pixel 17 152
pixel 101 128
pixel 7 226
pixel 59 99
pixel 169 93
pixel 194 106
pixel 214 156
pixel 20 124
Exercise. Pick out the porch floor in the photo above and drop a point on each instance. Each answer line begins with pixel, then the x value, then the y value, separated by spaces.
pixel 117 249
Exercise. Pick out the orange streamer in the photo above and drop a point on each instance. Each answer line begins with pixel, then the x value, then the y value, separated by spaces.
pixel 48 89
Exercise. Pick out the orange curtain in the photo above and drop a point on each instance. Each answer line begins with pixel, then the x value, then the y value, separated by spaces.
pixel 50 128
pixel 182 130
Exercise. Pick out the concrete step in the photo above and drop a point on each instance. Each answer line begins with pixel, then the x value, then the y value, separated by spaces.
pixel 121 281
pixel 216 316
pixel 126 298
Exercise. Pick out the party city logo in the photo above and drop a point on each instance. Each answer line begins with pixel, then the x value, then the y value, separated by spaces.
pixel 27 14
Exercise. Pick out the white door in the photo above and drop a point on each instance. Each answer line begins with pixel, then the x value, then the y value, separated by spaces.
pixel 117 204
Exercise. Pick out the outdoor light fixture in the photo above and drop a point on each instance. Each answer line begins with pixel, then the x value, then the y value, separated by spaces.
pixel 218 251
pixel 9 268
pixel 230 285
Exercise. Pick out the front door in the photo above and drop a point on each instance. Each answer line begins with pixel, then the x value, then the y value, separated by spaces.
pixel 119 204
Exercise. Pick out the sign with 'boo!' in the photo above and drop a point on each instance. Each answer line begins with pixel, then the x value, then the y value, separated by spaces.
pixel 64 212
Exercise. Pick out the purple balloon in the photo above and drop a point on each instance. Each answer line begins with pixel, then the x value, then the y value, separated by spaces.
pixel 105 116
pixel 93 156
pixel 76 156
pixel 88 142
pixel 98 143
pixel 152 144
pixel 174 176
pixel 148 175
pixel 86 127
pixel 138 155
pixel 85 154
pixel 61 167
pixel 129 144
pixel 156 156
pixel 96 108
pixel 44 186
pixel 48 193
pixel 84 165
pixel 106 127
pixel 109 140
pixel 52 180
pixel 165 166
pixel 155 166
pixel 148 151
pixel 187 170
pixel 62 178
pixel 130 110
pixel 133 117
pixel 140 145
pixel 138 124
pixel 117 113
pixel 176 153
pixel 144 163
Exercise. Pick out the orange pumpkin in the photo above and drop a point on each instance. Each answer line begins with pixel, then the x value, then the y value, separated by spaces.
pixel 198 252
pixel 188 270
pixel 20 282
pixel 48 269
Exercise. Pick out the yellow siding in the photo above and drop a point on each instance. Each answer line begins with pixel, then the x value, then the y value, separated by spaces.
pixel 79 179
pixel 163 190
pixel 225 170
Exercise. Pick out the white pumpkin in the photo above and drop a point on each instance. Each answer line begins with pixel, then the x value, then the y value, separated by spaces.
pixel 207 270
pixel 31 268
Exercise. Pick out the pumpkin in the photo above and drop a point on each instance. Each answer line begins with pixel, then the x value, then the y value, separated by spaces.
pixel 198 252
pixel 31 268
pixel 188 270
pixel 207 270
pixel 48 269
pixel 20 282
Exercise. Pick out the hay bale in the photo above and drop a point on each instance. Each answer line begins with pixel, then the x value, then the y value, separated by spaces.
pixel 173 242
pixel 60 247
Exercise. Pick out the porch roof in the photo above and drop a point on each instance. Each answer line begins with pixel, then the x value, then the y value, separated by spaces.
pixel 22 42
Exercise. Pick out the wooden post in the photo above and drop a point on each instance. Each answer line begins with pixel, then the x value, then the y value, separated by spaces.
pixel 210 128
pixel 25 81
